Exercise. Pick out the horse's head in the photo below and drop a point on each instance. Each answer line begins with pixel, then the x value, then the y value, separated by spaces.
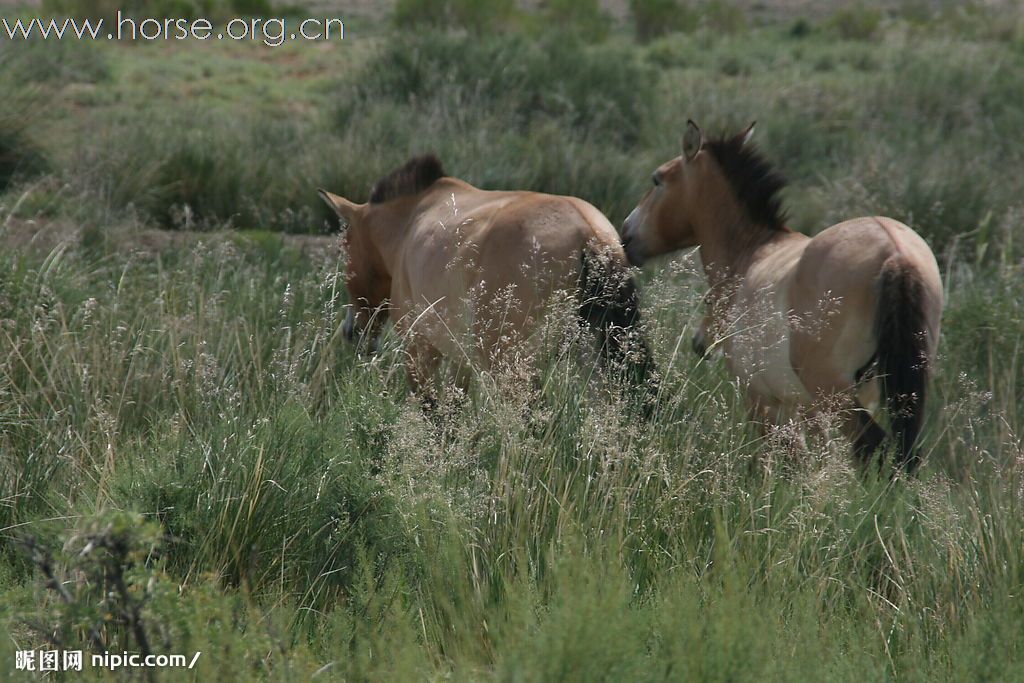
pixel 370 229
pixel 366 278
pixel 684 187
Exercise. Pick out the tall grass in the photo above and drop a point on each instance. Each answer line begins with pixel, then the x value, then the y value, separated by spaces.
pixel 290 475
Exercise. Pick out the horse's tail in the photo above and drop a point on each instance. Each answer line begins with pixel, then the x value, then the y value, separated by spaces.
pixel 901 328
pixel 610 304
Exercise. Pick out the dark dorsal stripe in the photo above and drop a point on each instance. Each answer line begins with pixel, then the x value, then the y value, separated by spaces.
pixel 413 176
pixel 754 180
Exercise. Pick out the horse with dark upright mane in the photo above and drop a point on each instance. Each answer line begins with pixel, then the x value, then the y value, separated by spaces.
pixel 468 274
pixel 803 322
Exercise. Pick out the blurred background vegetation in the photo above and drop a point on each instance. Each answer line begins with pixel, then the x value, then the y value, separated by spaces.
pixel 863 108
pixel 179 416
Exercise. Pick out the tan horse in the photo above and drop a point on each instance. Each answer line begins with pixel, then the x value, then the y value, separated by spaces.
pixel 803 322
pixel 468 274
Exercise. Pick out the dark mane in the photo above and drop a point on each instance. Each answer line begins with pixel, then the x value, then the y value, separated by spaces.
pixel 413 176
pixel 754 180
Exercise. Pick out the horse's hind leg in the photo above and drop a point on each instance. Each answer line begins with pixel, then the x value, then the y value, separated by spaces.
pixel 776 424
pixel 832 390
pixel 860 428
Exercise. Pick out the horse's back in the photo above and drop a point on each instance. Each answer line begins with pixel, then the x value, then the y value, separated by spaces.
pixel 494 259
pixel 509 227
pixel 531 250
pixel 559 227
pixel 863 243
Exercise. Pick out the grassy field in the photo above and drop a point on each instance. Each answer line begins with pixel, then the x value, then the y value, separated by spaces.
pixel 192 457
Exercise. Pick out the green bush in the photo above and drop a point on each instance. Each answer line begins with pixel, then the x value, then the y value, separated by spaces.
pixel 724 17
pixel 857 22
pixel 20 155
pixel 324 501
pixel 83 9
pixel 54 63
pixel 654 18
pixel 553 116
pixel 584 18
pixel 605 90
pixel 939 173
pixel 202 168
pixel 257 8
pixel 475 15
pixel 159 9
pixel 801 28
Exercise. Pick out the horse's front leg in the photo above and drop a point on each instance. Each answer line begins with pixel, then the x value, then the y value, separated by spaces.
pixel 860 427
pixel 775 422
pixel 700 340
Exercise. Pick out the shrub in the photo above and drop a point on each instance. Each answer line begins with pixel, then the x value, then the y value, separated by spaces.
pixel 19 154
pixel 106 586
pixel 668 52
pixel 722 16
pixel 584 18
pixel 258 8
pixel 605 90
pixel 52 62
pixel 87 9
pixel 658 17
pixel 552 116
pixel 857 22
pixel 202 168
pixel 476 15
pixel 801 28
pixel 488 149
pixel 159 9
pixel 326 500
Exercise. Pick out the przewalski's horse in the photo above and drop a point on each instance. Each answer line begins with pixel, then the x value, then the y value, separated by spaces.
pixel 468 274
pixel 802 321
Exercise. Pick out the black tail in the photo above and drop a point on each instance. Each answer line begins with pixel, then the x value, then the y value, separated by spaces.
pixel 902 333
pixel 610 304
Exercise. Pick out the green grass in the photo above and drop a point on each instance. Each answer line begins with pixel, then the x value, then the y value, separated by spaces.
pixel 294 480
pixel 184 415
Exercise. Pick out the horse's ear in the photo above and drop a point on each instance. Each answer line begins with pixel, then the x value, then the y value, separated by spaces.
pixel 693 140
pixel 747 134
pixel 345 209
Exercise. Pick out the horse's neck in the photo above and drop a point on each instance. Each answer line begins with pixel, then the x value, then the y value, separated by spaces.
pixel 727 257
pixel 730 249
pixel 389 230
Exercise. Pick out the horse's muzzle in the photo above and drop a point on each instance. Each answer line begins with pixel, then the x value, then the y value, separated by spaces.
pixel 627 235
pixel 633 252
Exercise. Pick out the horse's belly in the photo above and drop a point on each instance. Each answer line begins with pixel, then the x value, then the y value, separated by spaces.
pixel 469 326
pixel 759 348
pixel 434 312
